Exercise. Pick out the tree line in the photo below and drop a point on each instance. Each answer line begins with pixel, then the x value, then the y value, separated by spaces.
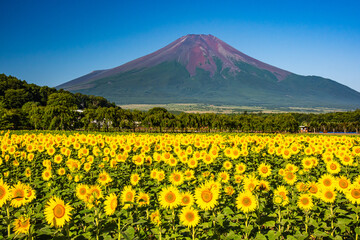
pixel 28 106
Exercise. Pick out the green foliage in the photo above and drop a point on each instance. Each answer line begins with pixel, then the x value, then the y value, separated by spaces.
pixel 27 106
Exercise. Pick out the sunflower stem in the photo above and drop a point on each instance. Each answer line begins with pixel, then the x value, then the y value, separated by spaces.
pixel 332 219
pixel 193 233
pixel 159 232
pixel 246 225
pixel 306 221
pixel 357 222
pixel 119 227
pixel 8 220
pixel 279 220
pixel 97 224
pixel 67 229
pixel 173 219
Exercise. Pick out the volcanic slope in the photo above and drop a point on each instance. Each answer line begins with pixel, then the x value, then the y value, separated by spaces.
pixel 204 69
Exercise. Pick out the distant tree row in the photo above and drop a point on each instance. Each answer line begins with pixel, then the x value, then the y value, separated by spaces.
pixel 28 106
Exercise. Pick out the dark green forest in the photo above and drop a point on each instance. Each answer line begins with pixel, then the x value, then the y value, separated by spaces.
pixel 26 106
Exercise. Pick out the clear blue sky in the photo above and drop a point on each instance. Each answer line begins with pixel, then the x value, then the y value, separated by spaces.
pixel 53 41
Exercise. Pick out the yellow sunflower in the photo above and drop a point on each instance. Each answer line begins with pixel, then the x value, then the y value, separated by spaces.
pixel 347 160
pixel 58 158
pixel 95 191
pixel 155 218
pixel 127 195
pixel 160 175
pixel 192 163
pixel 327 181
pixel 134 179
pixel 21 225
pixel 18 193
pixel 176 178
pixel 302 187
pixel 328 195
pixel 207 195
pixel 30 195
pixel 342 183
pixel 229 190
pixel 246 202
pixel 82 191
pixel 305 202
pixel 104 178
pixel 61 171
pixel 240 168
pixel 227 165
pixel 307 162
pixel 235 153
pixel 5 193
pixel 264 170
pixel 143 199
pixel 290 177
pixel 187 199
pixel 208 159
pixel 189 217
pixel 189 174
pixel 46 174
pixel 87 166
pixel 281 192
pixel 224 177
pixel 353 193
pixel 263 186
pixel 250 183
pixel 57 212
pixel 291 167
pixel 170 197
pixel 286 153
pixel 153 174
pixel 111 203
pixel 27 172
pixel 313 188
pixel 333 167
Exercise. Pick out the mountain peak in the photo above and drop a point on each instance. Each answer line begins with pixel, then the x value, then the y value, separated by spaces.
pixel 194 51
pixel 201 51
pixel 200 68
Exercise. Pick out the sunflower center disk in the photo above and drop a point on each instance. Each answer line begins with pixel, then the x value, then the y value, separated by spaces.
pixel 206 196
pixel 129 196
pixel 343 184
pixel 24 223
pixel 59 211
pixel 355 193
pixel 305 201
pixel 170 197
pixel 246 201
pixel 186 200
pixel 113 204
pixel 82 191
pixel 327 182
pixel 19 194
pixel 313 190
pixel 190 216
pixel 329 195
pixel 2 192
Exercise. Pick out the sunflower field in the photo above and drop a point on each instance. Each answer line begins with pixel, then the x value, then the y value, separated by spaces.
pixel 69 185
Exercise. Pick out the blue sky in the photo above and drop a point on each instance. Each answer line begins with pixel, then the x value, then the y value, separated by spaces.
pixel 54 41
